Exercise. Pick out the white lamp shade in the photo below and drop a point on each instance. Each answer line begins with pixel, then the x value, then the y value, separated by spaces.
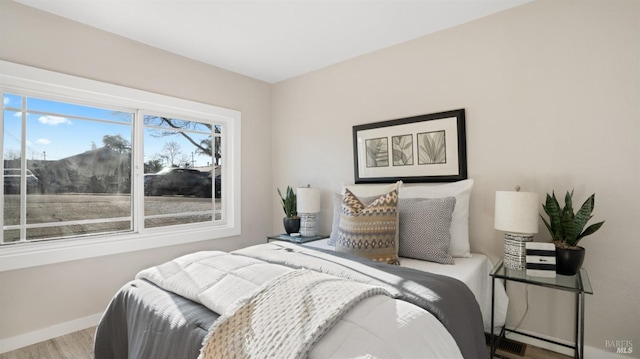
pixel 516 212
pixel 308 200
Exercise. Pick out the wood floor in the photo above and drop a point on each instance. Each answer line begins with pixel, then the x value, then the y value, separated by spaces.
pixel 79 345
pixel 534 353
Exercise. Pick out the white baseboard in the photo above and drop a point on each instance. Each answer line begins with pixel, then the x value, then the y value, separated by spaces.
pixel 23 340
pixel 589 352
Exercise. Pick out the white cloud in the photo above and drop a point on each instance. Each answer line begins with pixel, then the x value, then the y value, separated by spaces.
pixel 43 141
pixel 54 120
pixel 6 101
pixel 17 114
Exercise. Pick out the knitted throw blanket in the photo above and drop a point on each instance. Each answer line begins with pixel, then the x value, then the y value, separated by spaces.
pixel 286 317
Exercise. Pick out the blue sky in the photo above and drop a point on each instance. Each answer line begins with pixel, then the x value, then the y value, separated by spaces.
pixel 58 134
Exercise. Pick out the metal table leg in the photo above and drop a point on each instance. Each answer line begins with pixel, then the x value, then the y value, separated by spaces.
pixel 581 294
pixel 576 354
pixel 493 299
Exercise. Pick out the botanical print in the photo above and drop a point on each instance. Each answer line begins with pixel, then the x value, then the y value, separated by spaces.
pixel 377 152
pixel 402 150
pixel 431 148
pixel 425 148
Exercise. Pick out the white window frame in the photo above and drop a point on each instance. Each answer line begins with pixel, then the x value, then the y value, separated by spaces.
pixel 47 83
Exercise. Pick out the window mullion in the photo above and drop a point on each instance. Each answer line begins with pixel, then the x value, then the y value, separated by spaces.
pixel 137 192
pixel 23 172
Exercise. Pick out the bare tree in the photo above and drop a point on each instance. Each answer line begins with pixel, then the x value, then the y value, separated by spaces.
pixel 171 152
pixel 201 147
pixel 10 154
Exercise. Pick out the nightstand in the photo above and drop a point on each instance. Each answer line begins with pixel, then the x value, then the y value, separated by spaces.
pixel 298 240
pixel 578 284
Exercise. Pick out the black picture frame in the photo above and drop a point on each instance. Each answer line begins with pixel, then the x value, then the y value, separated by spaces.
pixel 425 148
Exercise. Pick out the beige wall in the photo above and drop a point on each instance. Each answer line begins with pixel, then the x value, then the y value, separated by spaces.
pixel 36 298
pixel 551 92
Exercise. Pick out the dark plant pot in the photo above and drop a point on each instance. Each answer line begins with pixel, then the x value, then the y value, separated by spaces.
pixel 291 225
pixel 569 260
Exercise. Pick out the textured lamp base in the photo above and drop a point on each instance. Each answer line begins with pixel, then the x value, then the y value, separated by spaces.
pixel 515 253
pixel 308 224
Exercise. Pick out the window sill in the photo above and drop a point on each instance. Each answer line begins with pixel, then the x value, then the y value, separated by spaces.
pixel 37 254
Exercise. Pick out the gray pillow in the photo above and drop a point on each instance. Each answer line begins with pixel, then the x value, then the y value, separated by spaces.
pixel 424 228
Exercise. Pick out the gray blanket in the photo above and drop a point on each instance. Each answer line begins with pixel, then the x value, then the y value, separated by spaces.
pixel 144 321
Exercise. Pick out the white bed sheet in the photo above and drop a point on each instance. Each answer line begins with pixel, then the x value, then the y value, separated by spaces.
pixel 473 271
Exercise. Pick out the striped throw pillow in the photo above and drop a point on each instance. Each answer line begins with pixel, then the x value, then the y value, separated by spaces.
pixel 369 231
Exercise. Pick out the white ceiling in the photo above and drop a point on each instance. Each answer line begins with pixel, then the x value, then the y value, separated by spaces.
pixel 267 39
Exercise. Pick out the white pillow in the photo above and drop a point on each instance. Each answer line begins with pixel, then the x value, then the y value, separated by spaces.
pixel 461 190
pixel 368 190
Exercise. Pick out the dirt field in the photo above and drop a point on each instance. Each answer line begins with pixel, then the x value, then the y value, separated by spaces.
pixel 79 207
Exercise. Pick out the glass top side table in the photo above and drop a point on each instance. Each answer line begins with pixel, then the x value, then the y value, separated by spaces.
pixel 295 239
pixel 578 284
pixel 573 283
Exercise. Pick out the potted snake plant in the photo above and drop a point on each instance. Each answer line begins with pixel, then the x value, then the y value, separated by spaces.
pixel 567 229
pixel 289 204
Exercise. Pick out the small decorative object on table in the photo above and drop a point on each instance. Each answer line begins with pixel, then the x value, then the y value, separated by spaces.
pixel 517 214
pixel 289 204
pixel 566 228
pixel 308 208
pixel 541 259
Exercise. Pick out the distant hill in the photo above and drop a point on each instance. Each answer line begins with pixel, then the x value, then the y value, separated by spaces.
pixel 102 170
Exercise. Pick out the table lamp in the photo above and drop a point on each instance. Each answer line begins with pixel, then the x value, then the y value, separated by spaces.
pixel 308 207
pixel 517 215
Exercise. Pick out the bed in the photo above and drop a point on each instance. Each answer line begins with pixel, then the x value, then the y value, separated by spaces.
pixel 473 271
pixel 245 299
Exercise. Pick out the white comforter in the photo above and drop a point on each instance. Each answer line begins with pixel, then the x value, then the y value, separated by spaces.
pixel 473 271
pixel 397 330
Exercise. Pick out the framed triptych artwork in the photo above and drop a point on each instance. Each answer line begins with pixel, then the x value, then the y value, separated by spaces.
pixel 426 148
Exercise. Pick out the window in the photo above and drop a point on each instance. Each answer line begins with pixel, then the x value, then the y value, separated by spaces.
pixel 182 181
pixel 76 168
pixel 91 163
